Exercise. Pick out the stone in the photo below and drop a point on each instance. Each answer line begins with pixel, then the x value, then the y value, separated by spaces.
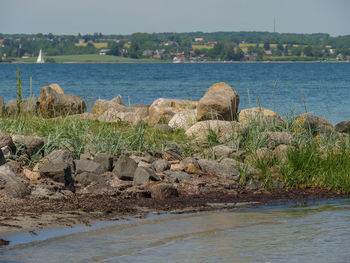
pixel 89 166
pixel 220 170
pixel 190 161
pixel 105 160
pixel 161 165
pixel 177 167
pixel 7 151
pixel 6 140
pixel 100 106
pixel 43 192
pixel 222 151
pixel 172 155
pixel 184 119
pixel 163 191
pixel 281 152
pixel 10 184
pixel 28 105
pixel 53 102
pixel 32 176
pixel 178 176
pixel 224 130
pixel 86 178
pixel 276 138
pixel 260 155
pixel 220 102
pixel 253 185
pixel 343 126
pixel 60 156
pixel 29 144
pixel 125 168
pixel 315 124
pixel 164 109
pixel 59 172
pixel 264 117
pixel 163 127
pixel 249 171
pixel 133 115
pixel 143 175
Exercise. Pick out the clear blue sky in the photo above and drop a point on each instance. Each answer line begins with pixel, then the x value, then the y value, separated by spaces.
pixel 129 16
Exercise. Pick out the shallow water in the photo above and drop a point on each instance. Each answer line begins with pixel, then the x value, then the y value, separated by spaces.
pixel 324 86
pixel 318 232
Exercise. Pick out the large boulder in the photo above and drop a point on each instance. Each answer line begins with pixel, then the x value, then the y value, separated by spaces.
pixel 89 166
pixel 143 175
pixel 10 184
pixel 220 102
pixel 343 126
pixel 28 105
pixel 276 138
pixel 314 124
pixel 163 191
pixel 260 115
pixel 165 109
pixel 184 119
pixel 53 102
pixel 125 168
pixel 59 172
pixel 224 130
pixel 220 170
pixel 100 105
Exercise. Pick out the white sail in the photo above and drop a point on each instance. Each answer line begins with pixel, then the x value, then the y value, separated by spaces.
pixel 40 58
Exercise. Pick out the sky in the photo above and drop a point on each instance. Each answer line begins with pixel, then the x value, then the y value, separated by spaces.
pixel 130 16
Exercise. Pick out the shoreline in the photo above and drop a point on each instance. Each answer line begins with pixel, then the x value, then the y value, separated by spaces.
pixel 31 215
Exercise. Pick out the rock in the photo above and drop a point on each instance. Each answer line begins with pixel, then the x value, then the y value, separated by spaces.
pixel 105 160
pixel 172 155
pixel 10 185
pixel 53 102
pixel 163 191
pixel 125 168
pixel 276 138
pixel 220 170
pixel 43 192
pixel 28 105
pixel 177 167
pixel 2 106
pixel 165 109
pixel 6 150
pixel 59 172
pixel 313 123
pixel 2 158
pixel 178 176
pixel 100 106
pixel 220 102
pixel 222 151
pixel 224 130
pixel 249 171
pixel 86 178
pixel 260 155
pixel 89 166
pixel 6 140
pixel 161 165
pixel 343 126
pixel 281 152
pixel 60 156
pixel 32 176
pixel 163 127
pixel 190 161
pixel 143 175
pixel 134 115
pixel 253 185
pixel 184 119
pixel 29 144
pixel 260 115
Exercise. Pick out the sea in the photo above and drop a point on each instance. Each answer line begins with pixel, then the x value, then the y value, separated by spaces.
pixel 322 89
pixel 313 232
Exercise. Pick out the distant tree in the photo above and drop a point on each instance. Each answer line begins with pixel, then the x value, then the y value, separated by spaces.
pixel 267 46
pixel 115 49
pixel 134 50
pixel 308 51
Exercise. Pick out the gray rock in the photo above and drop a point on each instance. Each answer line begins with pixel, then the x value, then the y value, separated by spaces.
pixel 163 127
pixel 143 175
pixel 313 123
pixel 190 160
pixel 105 160
pixel 59 172
pixel 253 185
pixel 221 170
pixel 249 170
pixel 60 156
pixel 222 151
pixel 89 166
pixel 277 138
pixel 6 140
pixel 178 176
pixel 125 168
pixel 29 144
pixel 6 150
pixel 86 178
pixel 29 105
pixel 161 165
pixel 163 191
pixel 343 126
pixel 43 192
pixel 10 185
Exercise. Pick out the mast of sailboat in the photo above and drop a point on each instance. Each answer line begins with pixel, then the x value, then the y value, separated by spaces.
pixel 40 57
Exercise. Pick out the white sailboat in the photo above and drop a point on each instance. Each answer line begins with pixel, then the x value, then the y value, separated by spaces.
pixel 40 58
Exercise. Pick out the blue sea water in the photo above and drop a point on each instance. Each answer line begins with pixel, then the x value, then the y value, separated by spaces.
pixel 325 87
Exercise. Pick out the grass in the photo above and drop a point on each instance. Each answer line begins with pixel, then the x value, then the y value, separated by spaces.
pixel 92 58
pixel 96 45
